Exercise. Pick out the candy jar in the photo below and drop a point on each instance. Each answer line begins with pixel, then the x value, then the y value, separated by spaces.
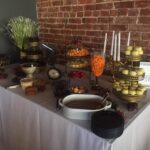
pixel 97 65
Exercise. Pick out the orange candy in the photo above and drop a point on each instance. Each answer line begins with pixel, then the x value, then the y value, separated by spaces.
pixel 80 52
pixel 97 65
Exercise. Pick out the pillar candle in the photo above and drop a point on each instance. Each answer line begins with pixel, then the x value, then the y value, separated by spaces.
pixel 115 48
pixel 128 42
pixel 105 43
pixel 112 43
pixel 119 39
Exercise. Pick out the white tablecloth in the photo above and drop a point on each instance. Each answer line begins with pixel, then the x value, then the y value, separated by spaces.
pixel 33 123
pixel 29 126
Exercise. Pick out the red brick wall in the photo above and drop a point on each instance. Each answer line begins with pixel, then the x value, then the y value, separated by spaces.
pixel 60 20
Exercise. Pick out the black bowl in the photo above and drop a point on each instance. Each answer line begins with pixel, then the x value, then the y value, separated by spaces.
pixel 107 124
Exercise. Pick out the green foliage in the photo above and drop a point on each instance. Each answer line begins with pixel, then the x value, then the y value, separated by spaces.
pixel 1 29
pixel 20 29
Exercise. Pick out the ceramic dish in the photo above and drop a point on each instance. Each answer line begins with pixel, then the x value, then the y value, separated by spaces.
pixel 81 113
pixel 29 68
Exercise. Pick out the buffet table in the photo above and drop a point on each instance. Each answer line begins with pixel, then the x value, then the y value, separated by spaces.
pixel 34 123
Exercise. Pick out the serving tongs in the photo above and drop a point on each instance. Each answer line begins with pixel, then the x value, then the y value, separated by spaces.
pixel 104 100
pixel 107 95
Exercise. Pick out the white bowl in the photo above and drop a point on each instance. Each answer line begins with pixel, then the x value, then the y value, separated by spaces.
pixel 29 68
pixel 81 114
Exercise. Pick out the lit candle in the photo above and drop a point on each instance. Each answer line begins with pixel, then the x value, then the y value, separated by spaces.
pixel 119 38
pixel 105 43
pixel 112 43
pixel 115 48
pixel 128 42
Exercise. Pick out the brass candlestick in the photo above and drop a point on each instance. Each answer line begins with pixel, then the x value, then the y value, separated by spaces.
pixel 114 66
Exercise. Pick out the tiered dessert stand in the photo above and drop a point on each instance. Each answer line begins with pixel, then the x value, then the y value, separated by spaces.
pixel 77 68
pixel 126 86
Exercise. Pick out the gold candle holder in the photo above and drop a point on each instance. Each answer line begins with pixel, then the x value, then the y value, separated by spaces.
pixel 114 67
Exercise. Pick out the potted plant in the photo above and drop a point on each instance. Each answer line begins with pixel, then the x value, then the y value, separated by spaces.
pixel 20 29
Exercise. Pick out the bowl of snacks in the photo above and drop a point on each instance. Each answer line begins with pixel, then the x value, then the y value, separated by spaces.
pixel 78 89
pixel 29 68
pixel 77 52
pixel 78 63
